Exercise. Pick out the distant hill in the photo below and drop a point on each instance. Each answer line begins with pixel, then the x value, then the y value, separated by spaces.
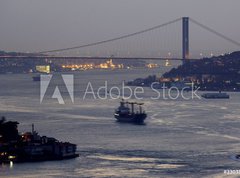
pixel 22 65
pixel 28 62
pixel 4 53
pixel 218 72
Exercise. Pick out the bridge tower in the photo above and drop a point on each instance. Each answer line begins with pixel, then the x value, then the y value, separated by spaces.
pixel 185 39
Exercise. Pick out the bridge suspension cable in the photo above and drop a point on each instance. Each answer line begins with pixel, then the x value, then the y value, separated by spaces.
pixel 214 32
pixel 112 39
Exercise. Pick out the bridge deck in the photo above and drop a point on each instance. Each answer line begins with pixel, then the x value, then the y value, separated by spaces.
pixel 90 57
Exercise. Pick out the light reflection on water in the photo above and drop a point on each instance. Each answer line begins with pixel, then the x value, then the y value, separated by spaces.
pixel 180 138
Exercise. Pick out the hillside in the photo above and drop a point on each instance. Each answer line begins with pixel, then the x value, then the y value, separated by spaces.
pixel 215 73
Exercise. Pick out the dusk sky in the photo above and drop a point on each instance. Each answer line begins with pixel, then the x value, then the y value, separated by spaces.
pixel 31 25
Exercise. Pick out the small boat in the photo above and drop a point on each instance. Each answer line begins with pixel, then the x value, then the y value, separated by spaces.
pixel 126 114
pixel 36 78
pixel 219 95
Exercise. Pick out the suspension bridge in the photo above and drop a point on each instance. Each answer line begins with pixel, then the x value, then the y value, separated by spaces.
pixel 131 50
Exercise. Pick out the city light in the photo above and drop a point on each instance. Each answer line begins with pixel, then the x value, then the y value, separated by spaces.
pixel 105 65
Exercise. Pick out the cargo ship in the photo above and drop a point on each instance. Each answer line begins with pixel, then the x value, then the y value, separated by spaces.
pixel 219 95
pixel 124 113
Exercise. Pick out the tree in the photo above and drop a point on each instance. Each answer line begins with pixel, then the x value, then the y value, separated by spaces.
pixel 8 131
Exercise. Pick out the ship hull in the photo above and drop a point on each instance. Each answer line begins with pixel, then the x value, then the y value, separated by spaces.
pixel 215 96
pixel 132 118
pixel 36 79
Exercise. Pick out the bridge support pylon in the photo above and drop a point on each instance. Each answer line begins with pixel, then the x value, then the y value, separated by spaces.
pixel 185 39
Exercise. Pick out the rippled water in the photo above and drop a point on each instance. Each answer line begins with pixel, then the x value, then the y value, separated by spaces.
pixel 194 138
